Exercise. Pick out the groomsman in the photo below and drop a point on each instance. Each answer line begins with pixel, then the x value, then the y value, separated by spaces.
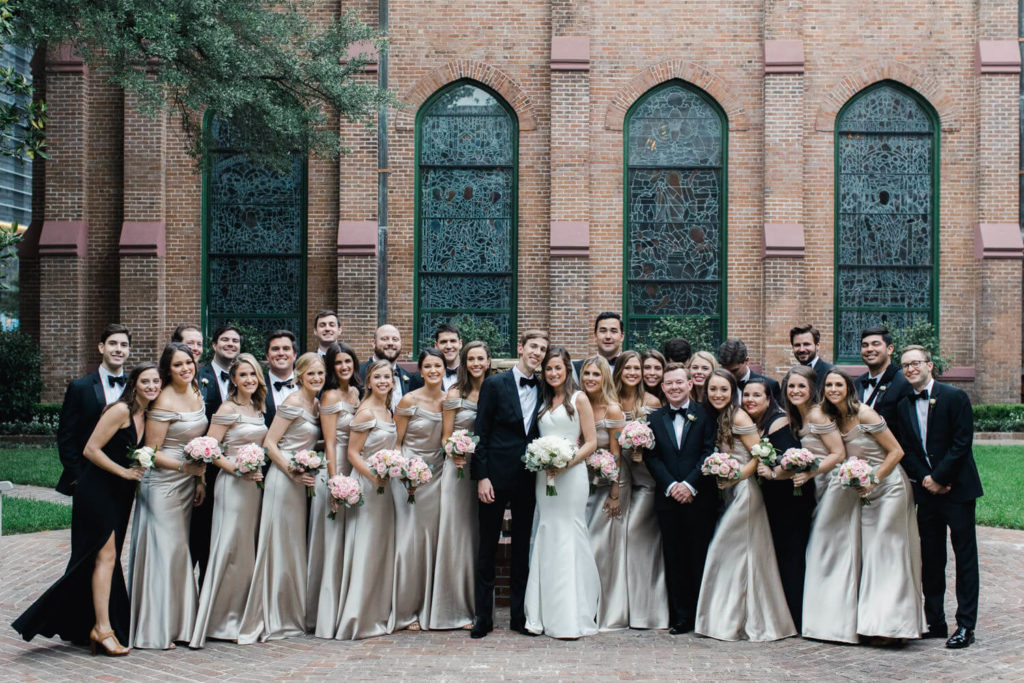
pixel 805 340
pixel 608 336
pixel 687 501
pixel 883 386
pixel 84 401
pixel 326 329
pixel 936 428
pixel 506 422
pixel 676 350
pixel 214 382
pixel 387 345
pixel 280 372
pixel 191 335
pixel 732 355
pixel 447 340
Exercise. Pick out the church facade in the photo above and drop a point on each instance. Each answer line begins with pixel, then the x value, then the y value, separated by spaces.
pixel 760 164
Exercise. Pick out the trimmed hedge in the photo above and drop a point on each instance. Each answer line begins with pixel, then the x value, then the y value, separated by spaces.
pixel 20 383
pixel 999 417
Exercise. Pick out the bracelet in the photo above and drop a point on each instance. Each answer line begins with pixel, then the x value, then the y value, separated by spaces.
pixel 237 472
pixel 773 473
pixel 180 465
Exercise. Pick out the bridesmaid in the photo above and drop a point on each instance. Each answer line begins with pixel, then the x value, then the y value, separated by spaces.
pixel 337 406
pixel 236 507
pixel 90 602
pixel 605 524
pixel 163 587
pixel 788 515
pixel 741 596
pixel 645 565
pixel 368 573
pixel 452 602
pixel 276 605
pixel 816 431
pixel 874 588
pixel 700 367
pixel 418 422
pixel 653 363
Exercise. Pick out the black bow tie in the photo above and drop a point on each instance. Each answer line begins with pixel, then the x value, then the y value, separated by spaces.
pixel 676 411
pixel 224 377
pixel 451 372
pixel 869 382
pixel 286 383
pixel 114 381
pixel 921 395
pixel 527 381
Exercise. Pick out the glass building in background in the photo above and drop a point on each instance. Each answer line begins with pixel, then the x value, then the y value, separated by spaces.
pixel 15 174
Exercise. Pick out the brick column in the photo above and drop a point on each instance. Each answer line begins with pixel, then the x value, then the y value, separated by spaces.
pixel 62 241
pixel 141 248
pixel 785 294
pixel 570 192
pixel 997 236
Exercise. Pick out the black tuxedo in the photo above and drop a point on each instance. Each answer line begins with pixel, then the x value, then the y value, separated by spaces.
pixel 821 368
pixel 202 516
pixel 84 402
pixel 270 409
pixel 948 458
pixel 886 395
pixel 498 457
pixel 773 386
pixel 686 530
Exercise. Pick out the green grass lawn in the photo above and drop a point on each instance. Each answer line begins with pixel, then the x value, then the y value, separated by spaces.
pixel 23 516
pixel 1002 476
pixel 27 465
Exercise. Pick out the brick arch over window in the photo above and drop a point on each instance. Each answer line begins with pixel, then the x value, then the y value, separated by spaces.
pixel 677 69
pixel 465 69
pixel 927 87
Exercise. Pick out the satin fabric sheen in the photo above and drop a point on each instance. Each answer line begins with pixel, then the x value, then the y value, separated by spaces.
pixel 608 541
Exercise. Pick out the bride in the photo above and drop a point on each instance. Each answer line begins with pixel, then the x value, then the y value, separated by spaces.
pixel 564 587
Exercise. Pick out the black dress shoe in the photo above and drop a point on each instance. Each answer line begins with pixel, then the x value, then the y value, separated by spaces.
pixel 526 632
pixel 962 637
pixel 480 629
pixel 936 632
pixel 681 628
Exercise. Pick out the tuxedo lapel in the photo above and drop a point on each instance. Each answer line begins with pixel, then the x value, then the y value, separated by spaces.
pixel 687 422
pixel 934 396
pixel 513 395
pixel 667 419
pixel 909 408
pixel 97 386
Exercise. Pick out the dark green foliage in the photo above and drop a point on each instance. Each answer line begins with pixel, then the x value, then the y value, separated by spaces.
pixel 999 417
pixel 280 75
pixel 19 376
pixel 480 329
pixel 694 329
pixel 21 111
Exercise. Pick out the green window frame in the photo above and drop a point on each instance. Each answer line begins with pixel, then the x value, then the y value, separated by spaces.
pixel 466 213
pixel 254 238
pixel 886 213
pixel 675 205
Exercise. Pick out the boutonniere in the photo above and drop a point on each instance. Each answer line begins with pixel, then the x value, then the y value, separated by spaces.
pixel 405 378
pixel 204 381
pixel 691 417
pixel 882 387
pixel 931 401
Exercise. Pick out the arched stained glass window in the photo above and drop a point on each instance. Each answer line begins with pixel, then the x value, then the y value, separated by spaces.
pixel 886 237
pixel 676 153
pixel 254 239
pixel 467 139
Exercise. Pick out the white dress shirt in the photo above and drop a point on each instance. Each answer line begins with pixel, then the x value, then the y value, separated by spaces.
pixel 448 381
pixel 868 389
pixel 678 424
pixel 284 392
pixel 222 384
pixel 527 398
pixel 922 418
pixel 110 393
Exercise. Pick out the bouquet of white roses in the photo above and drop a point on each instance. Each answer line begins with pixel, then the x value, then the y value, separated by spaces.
pixel 549 453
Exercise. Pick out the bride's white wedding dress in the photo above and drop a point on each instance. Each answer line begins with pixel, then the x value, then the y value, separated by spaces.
pixel 564 587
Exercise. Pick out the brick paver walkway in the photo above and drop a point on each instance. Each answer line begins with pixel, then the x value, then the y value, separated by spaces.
pixel 29 563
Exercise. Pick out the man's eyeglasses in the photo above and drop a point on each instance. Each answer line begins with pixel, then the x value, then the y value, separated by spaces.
pixel 913 364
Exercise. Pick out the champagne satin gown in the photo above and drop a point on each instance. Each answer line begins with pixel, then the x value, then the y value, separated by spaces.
pixel 810 438
pixel 236 515
pixel 645 563
pixel 416 525
pixel 368 571
pixel 329 596
pixel 164 596
pixel 452 601
pixel 276 605
pixel 741 596
pixel 564 587
pixel 608 540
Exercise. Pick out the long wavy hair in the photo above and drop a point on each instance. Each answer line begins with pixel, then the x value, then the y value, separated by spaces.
pixel 724 416
pixel 796 420
pixel 700 391
pixel 852 403
pixel 333 351
pixel 374 367
pixel 569 386
pixel 620 386
pixel 464 382
pixel 606 392
pixel 164 366
pixel 654 354
pixel 259 397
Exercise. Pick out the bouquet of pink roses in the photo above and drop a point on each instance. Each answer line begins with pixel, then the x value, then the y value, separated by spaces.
pixel 203 449
pixel 602 462
pixel 636 435
pixel 308 462
pixel 461 443
pixel 855 473
pixel 722 466
pixel 249 458
pixel 386 464
pixel 798 460
pixel 345 490
pixel 416 472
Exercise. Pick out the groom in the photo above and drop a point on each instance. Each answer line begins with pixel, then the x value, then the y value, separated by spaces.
pixel 686 502
pixel 506 422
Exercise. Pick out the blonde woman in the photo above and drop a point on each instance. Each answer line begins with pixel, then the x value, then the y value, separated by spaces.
pixel 701 365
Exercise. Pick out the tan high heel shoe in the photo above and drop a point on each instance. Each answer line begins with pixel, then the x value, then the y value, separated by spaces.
pixel 96 645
